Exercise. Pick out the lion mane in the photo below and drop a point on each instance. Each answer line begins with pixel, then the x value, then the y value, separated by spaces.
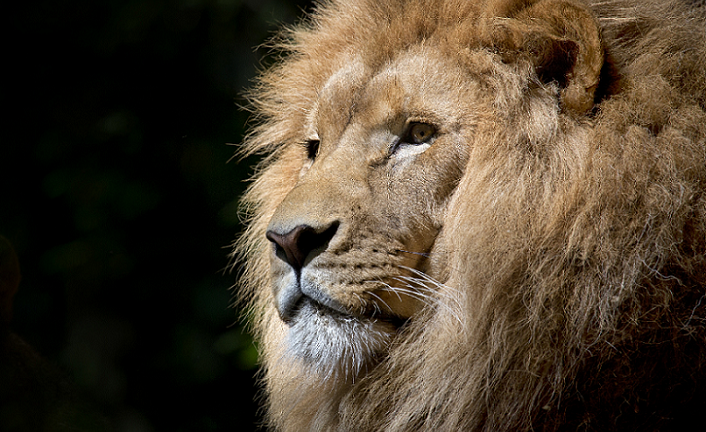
pixel 526 177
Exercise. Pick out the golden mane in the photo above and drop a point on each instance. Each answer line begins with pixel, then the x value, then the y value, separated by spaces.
pixel 571 286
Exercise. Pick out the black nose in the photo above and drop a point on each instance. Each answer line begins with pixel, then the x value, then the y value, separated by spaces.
pixel 300 242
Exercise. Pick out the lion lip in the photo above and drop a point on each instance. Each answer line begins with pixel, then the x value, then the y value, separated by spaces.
pixel 315 294
pixel 302 292
pixel 300 296
pixel 293 298
pixel 342 314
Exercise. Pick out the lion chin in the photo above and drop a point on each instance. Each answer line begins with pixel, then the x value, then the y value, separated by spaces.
pixel 336 346
pixel 482 215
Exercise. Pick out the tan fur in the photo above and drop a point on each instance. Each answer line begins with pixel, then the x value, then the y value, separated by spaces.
pixel 540 264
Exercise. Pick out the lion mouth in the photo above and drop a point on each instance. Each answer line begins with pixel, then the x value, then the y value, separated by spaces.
pixel 307 303
pixel 302 294
pixel 292 300
pixel 334 311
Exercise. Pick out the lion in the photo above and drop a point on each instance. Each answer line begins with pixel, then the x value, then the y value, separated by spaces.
pixel 481 215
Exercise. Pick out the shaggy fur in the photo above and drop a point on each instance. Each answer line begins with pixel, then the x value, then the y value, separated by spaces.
pixel 564 280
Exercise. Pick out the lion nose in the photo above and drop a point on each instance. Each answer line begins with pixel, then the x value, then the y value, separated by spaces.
pixel 300 242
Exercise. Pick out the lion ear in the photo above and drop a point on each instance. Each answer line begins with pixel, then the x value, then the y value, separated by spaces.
pixel 560 38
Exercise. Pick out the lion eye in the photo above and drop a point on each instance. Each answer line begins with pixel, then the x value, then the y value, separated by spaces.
pixel 419 133
pixel 312 148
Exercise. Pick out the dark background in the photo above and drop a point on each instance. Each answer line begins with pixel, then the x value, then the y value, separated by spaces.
pixel 117 194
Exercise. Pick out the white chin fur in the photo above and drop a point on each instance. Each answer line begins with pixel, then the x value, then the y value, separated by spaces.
pixel 336 346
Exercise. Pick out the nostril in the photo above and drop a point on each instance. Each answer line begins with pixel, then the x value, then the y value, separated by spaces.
pixel 301 241
pixel 289 244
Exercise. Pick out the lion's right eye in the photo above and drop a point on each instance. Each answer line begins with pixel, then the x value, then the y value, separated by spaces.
pixel 418 133
pixel 417 137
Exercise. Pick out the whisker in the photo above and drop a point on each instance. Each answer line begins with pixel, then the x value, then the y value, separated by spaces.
pixel 382 301
pixel 426 298
pixel 424 254
pixel 421 281
pixel 422 287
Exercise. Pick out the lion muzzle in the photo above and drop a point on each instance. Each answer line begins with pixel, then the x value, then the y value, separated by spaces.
pixel 297 248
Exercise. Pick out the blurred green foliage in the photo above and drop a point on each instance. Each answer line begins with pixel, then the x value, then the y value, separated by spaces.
pixel 116 193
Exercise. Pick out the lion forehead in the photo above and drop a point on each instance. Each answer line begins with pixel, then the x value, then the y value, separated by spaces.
pixel 334 101
pixel 419 83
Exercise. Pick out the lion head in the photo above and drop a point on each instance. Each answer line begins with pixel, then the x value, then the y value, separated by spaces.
pixel 482 215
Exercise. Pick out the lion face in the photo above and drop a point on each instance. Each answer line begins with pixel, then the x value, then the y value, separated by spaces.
pixel 380 158
pixel 372 162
